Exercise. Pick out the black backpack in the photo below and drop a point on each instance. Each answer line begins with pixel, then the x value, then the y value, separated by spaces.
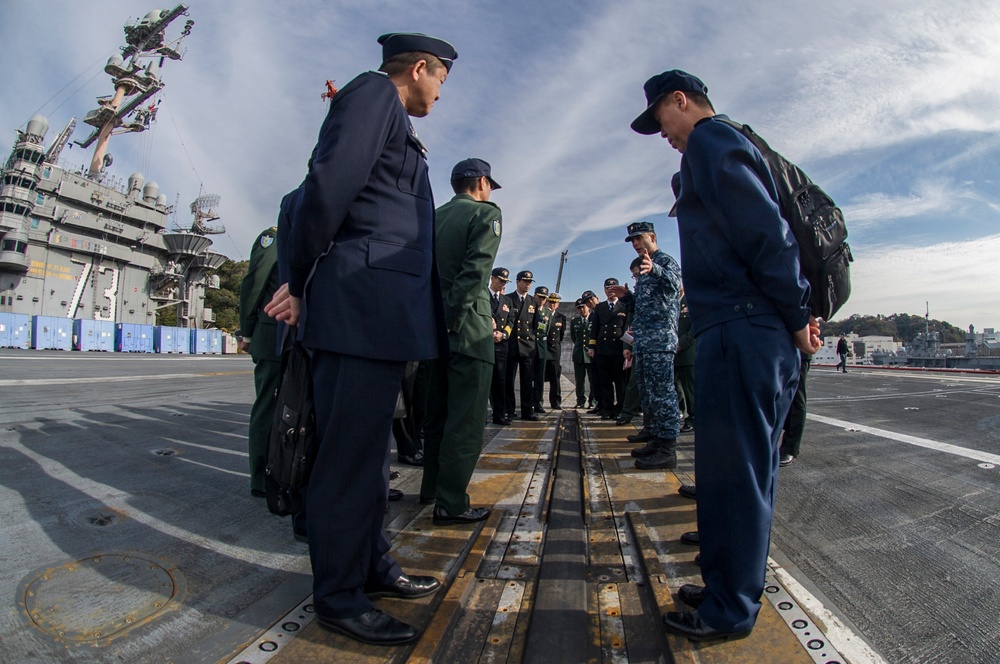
pixel 818 226
pixel 291 449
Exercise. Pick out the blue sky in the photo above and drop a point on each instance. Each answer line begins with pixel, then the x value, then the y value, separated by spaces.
pixel 891 107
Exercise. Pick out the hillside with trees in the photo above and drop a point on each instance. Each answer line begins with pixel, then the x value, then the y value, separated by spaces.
pixel 901 327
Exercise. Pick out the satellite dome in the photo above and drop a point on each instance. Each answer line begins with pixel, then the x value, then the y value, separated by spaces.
pixel 150 191
pixel 37 126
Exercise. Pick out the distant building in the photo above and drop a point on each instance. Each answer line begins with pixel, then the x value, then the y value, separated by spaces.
pixel 861 348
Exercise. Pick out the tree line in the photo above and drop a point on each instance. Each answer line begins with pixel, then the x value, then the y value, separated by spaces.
pixel 901 327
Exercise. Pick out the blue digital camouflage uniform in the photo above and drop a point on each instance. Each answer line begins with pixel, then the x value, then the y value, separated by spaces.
pixel 656 307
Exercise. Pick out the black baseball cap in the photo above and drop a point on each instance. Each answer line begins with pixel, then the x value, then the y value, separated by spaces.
pixel 638 228
pixel 473 168
pixel 395 43
pixel 659 85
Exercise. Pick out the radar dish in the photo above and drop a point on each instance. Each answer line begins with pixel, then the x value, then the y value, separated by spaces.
pixel 203 209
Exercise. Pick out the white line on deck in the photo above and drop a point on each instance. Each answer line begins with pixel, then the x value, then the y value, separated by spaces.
pixel 120 500
pixel 113 379
pixel 975 455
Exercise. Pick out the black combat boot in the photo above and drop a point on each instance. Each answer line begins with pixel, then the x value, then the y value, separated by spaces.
pixel 664 457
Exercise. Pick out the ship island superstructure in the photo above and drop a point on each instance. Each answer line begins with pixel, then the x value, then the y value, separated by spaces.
pixel 76 242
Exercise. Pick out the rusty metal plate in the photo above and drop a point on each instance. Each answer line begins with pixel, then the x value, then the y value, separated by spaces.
pixel 101 597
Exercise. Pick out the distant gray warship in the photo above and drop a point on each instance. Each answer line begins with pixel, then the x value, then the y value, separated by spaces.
pixel 78 243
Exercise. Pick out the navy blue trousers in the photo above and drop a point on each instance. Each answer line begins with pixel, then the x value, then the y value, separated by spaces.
pixel 746 372
pixel 345 502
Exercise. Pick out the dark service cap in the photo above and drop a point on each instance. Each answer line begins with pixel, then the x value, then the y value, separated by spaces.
pixel 587 294
pixel 581 303
pixel 395 43
pixel 638 228
pixel 473 168
pixel 610 281
pixel 542 291
pixel 501 273
pixel 525 275
pixel 659 85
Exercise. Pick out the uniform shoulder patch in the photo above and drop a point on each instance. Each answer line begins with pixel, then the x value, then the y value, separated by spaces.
pixel 266 240
pixel 496 227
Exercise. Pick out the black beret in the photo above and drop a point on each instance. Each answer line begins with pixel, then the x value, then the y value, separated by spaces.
pixel 395 43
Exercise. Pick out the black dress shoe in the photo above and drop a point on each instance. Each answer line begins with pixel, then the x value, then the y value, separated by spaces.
pixel 501 422
pixel 258 493
pixel 687 428
pixel 406 587
pixel 531 418
pixel 555 407
pixel 594 411
pixel 607 416
pixel 786 460
pixel 507 421
pixel 539 410
pixel 374 627
pixel 690 624
pixel 393 474
pixel 690 538
pixel 395 494
pixel 580 405
pixel 411 459
pixel 471 515
pixel 688 491
pixel 691 594
pixel 623 420
pixel 642 436
pixel 300 536
pixel 697 559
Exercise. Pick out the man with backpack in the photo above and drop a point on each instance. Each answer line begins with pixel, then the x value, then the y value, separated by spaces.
pixel 749 309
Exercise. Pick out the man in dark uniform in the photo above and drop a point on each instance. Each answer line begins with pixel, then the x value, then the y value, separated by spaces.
pixel 260 339
pixel 502 328
pixel 607 327
pixel 363 242
pixel 594 401
pixel 555 332
pixel 541 348
pixel 467 237
pixel 521 359
pixel 581 374
pixel 795 421
pixel 684 367
pixel 749 311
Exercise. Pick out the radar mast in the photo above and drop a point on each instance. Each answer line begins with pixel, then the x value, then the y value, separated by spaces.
pixel 135 83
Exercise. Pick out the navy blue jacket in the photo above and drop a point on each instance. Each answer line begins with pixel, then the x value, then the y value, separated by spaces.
pixel 740 258
pixel 375 293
